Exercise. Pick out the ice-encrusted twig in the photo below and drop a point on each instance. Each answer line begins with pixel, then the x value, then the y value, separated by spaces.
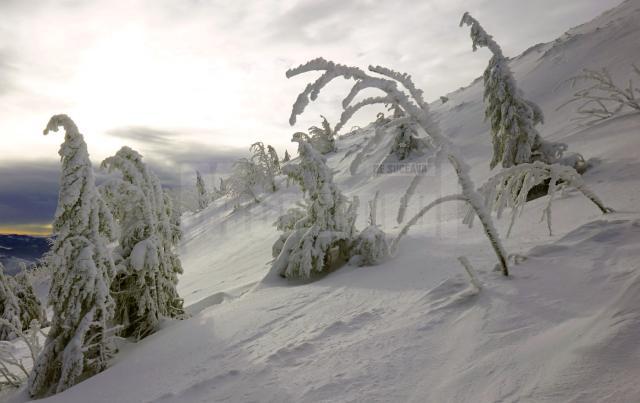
pixel 603 99
pixel 509 189
pixel 469 269
pixel 404 200
pixel 422 212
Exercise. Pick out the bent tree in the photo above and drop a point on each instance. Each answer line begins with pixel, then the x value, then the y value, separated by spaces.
pixel 411 102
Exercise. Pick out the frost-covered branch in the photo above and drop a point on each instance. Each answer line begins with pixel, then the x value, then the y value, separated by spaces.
pixel 479 37
pixel 510 188
pixel 422 212
pixel 405 80
pixel 13 368
pixel 404 200
pixel 470 272
pixel 350 110
pixel 603 98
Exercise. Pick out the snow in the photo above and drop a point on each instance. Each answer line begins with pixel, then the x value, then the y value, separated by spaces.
pixel 562 328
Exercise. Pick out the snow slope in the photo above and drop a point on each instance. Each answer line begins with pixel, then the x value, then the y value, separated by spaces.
pixel 562 328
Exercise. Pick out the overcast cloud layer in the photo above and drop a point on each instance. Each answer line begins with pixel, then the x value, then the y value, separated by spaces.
pixel 193 83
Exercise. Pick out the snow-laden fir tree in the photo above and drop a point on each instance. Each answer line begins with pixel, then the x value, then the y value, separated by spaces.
pixel 9 307
pixel 79 343
pixel 245 180
pixel 30 306
pixel 274 160
pixel 268 168
pixel 221 190
pixel 144 287
pixel 322 138
pixel 406 140
pixel 316 240
pixel 371 244
pixel 513 118
pixel 286 157
pixel 201 192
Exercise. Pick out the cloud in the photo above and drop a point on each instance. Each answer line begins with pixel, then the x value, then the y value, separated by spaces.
pixel 29 193
pixel 144 135
pixel 175 157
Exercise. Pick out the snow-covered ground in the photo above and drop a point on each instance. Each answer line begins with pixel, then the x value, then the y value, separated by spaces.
pixel 563 328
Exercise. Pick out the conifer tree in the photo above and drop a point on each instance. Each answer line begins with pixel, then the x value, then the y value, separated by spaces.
pixel 371 245
pixel 322 138
pixel 9 307
pixel 245 178
pixel 30 306
pixel 513 118
pixel 79 342
pixel 147 265
pixel 202 194
pixel 327 225
pixel 273 159
pixel 286 157
pixel 267 166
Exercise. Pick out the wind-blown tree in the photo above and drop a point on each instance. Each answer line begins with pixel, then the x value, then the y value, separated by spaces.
pixel 513 118
pixel 317 239
pixel 286 157
pixel 273 159
pixel 201 192
pixel 268 167
pixel 9 308
pixel 413 106
pixel 322 138
pixel 79 342
pixel 144 287
pixel 246 178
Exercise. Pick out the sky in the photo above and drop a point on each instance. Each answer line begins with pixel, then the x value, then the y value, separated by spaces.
pixel 191 84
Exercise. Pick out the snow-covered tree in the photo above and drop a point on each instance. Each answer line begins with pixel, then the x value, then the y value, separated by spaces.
pixel 371 244
pixel 245 180
pixel 513 118
pixel 30 306
pixel 316 241
pixel 286 223
pixel 286 157
pixel 9 307
pixel 322 138
pixel 273 157
pixel 406 140
pixel 412 103
pixel 148 266
pixel 268 168
pixel 201 192
pixel 79 342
